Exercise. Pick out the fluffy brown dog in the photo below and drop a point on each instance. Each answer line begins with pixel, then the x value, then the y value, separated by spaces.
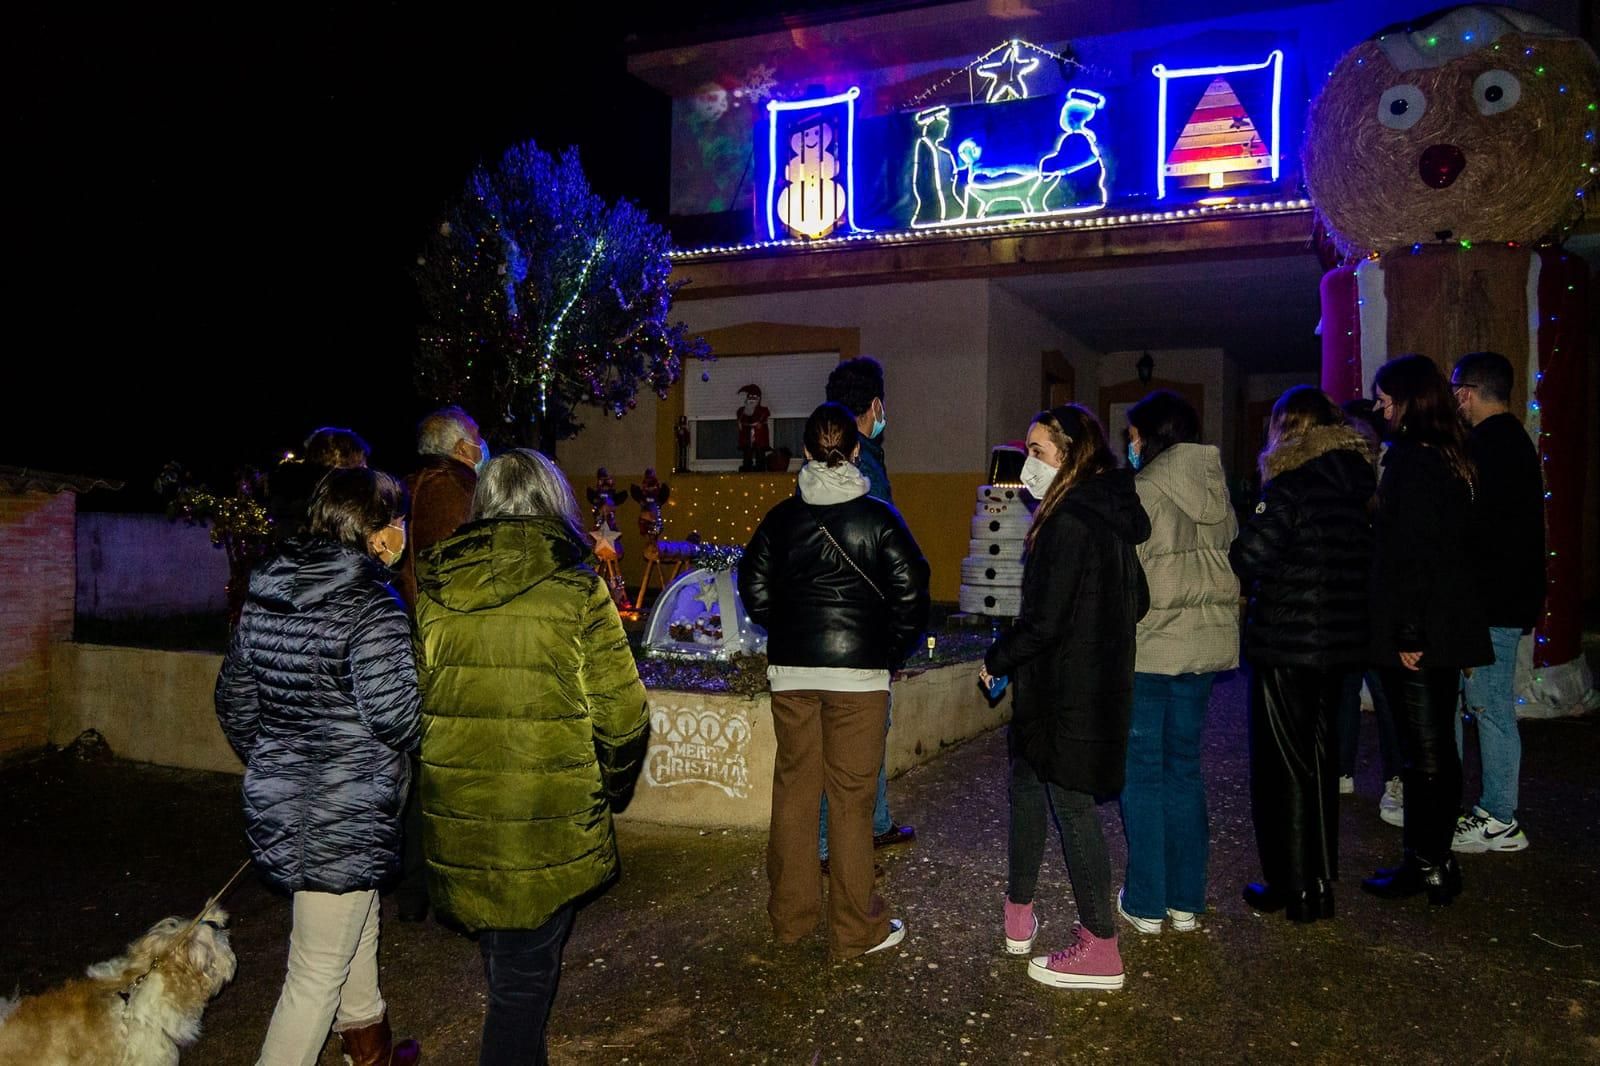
pixel 138 1009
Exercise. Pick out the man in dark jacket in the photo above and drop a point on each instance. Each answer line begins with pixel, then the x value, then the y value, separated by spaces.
pixel 858 385
pixel 1508 513
pixel 453 452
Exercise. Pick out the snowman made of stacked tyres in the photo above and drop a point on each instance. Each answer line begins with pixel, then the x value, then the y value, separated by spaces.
pixel 1449 160
pixel 991 574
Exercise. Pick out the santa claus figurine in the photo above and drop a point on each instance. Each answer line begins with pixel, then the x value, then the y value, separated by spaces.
pixel 754 440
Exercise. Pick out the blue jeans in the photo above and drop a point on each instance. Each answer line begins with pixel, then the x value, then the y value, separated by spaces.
pixel 522 967
pixel 1164 796
pixel 1492 699
pixel 881 822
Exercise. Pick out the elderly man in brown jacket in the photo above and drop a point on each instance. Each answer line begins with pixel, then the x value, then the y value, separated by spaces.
pixel 453 451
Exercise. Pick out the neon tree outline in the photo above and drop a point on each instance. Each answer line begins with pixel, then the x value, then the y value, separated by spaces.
pixel 1012 87
pixel 1163 75
pixel 848 98
pixel 1077 110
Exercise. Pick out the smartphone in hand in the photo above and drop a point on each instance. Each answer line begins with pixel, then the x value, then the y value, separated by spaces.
pixel 996 688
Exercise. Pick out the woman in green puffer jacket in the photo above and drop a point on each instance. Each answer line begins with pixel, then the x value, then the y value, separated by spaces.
pixel 534 724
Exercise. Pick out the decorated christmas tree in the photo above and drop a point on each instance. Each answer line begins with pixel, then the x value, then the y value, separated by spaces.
pixel 541 297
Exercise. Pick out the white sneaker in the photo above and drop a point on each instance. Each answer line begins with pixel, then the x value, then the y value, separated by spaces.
pixel 1147 926
pixel 1347 785
pixel 1182 921
pixel 897 933
pixel 1482 831
pixel 1392 807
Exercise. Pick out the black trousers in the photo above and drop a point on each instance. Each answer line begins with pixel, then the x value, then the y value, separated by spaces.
pixel 522 967
pixel 411 891
pixel 1294 773
pixel 1424 706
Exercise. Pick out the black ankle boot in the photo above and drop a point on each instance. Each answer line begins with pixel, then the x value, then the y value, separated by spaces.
pixel 1263 898
pixel 1398 882
pixel 1443 881
pixel 1303 907
pixel 1324 897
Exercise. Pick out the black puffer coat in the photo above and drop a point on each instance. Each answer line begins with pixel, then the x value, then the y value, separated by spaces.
pixel 1424 594
pixel 1305 555
pixel 817 610
pixel 1070 653
pixel 318 695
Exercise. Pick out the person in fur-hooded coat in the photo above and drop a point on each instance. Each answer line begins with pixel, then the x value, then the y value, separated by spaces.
pixel 1304 556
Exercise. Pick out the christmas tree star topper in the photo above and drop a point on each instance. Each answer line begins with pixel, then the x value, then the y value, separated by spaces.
pixel 1008 85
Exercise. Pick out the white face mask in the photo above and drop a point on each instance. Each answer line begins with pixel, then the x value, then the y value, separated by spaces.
pixel 1037 476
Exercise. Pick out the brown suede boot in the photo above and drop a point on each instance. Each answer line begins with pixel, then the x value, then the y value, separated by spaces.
pixel 373 1045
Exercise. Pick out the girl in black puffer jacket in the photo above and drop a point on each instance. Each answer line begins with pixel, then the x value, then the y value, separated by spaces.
pixel 1304 556
pixel 318 695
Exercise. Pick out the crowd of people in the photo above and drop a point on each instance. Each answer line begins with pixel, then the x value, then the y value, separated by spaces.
pixel 431 688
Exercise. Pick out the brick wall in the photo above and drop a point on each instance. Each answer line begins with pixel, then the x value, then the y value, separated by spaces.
pixel 37 582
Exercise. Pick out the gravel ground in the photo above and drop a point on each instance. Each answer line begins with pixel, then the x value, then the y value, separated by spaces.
pixel 675 965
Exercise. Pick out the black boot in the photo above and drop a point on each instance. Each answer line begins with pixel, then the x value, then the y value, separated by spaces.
pixel 1263 898
pixel 1323 897
pixel 1440 880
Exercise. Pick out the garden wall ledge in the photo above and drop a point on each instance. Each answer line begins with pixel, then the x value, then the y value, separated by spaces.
pixel 709 762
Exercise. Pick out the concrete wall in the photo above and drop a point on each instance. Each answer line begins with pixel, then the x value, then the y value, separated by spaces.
pixel 36 579
pixel 151 706
pixel 147 566
pixel 710 760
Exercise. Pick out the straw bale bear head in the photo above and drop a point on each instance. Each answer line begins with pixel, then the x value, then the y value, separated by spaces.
pixel 1478 126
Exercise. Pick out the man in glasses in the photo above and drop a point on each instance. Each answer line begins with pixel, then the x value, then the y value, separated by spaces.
pixel 1509 514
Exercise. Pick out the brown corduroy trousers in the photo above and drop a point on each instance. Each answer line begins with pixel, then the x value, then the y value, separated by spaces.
pixel 829 741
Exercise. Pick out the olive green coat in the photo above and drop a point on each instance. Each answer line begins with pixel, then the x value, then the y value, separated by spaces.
pixel 533 722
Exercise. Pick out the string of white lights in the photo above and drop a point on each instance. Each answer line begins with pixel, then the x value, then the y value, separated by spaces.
pixel 966 71
pixel 1009 227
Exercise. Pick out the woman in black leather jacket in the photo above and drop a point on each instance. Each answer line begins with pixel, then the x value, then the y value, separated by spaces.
pixel 318 695
pixel 1428 623
pixel 1304 556
pixel 841 587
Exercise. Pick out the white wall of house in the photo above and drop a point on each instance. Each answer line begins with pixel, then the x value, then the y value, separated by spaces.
pixel 933 341
pixel 1201 366
pixel 1018 336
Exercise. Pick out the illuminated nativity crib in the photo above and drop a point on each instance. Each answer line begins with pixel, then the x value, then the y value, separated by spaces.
pixel 700 615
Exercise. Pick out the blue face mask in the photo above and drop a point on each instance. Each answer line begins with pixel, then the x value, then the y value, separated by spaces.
pixel 483 457
pixel 1133 456
pixel 878 424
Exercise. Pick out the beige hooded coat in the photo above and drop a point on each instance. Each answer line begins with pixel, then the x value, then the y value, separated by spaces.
pixel 1193 623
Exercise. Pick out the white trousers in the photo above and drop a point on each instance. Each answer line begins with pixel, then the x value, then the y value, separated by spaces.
pixel 332 978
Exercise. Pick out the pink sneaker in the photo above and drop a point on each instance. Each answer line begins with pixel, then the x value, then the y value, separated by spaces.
pixel 1088 962
pixel 1021 928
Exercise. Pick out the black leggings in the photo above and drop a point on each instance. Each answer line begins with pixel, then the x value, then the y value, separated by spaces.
pixel 1424 706
pixel 1083 845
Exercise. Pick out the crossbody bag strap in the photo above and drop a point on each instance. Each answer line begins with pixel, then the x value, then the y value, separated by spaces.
pixel 851 563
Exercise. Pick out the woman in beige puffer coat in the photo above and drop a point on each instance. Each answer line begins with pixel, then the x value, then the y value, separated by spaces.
pixel 1190 634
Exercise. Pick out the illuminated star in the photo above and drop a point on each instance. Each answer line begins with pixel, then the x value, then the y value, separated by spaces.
pixel 708 595
pixel 605 542
pixel 1008 86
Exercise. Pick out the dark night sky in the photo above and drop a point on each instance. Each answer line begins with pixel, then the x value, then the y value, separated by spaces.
pixel 219 210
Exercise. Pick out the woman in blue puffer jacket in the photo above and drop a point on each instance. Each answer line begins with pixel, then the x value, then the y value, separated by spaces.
pixel 318 695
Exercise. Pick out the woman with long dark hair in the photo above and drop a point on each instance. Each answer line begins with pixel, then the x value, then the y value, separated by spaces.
pixel 834 576
pixel 1305 555
pixel 1427 620
pixel 1071 654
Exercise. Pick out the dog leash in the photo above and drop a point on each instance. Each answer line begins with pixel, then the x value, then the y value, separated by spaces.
pixel 127 993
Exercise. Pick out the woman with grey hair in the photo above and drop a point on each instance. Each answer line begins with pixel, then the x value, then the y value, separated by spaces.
pixel 534 726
